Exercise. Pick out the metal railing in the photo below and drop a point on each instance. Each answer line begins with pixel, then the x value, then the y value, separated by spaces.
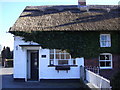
pixel 94 69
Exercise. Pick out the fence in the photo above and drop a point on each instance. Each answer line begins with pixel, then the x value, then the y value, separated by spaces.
pixel 94 69
pixel 95 79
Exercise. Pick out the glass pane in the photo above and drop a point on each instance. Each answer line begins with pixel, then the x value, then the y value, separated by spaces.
pixel 60 51
pixel 62 56
pixel 62 62
pixel 102 64
pixel 108 37
pixel 67 56
pixel 51 56
pixel 35 63
pixel 103 37
pixel 57 56
pixel 108 43
pixel 74 62
pixel 107 57
pixel 52 51
pixel 51 62
pixel 57 51
pixel 64 51
pixel 102 57
pixel 103 43
pixel 108 64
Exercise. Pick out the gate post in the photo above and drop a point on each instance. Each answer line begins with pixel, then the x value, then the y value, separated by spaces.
pixel 82 73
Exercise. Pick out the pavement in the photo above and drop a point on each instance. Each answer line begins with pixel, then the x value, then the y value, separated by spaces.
pixel 90 85
pixel 8 83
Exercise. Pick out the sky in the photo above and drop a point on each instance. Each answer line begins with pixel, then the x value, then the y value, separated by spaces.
pixel 10 10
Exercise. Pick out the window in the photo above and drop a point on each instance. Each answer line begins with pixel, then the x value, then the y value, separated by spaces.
pixel 105 40
pixel 105 61
pixel 59 57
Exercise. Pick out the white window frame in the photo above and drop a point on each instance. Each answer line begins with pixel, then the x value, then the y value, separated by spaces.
pixel 110 67
pixel 108 42
pixel 55 61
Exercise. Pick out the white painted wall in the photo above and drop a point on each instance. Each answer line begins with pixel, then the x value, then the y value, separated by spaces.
pixel 80 61
pixel 50 72
pixel 20 57
pixel 45 72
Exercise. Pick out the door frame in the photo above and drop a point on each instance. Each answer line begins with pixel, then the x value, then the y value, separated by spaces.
pixel 28 65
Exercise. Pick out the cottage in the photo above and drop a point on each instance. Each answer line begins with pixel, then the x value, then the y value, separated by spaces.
pixel 52 42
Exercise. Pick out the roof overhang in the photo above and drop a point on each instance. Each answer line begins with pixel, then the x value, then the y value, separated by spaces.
pixel 30 47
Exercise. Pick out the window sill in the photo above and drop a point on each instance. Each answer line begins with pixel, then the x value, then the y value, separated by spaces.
pixel 105 67
pixel 105 46
pixel 62 65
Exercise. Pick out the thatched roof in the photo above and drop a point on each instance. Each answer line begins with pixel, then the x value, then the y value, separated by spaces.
pixel 67 18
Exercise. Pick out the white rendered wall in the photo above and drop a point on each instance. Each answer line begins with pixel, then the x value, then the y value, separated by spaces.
pixel 50 72
pixel 20 57
pixel 45 72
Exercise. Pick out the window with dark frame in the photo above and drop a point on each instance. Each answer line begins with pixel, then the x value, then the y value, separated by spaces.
pixel 105 61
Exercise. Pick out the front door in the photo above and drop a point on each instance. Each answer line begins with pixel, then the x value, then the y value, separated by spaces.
pixel 34 65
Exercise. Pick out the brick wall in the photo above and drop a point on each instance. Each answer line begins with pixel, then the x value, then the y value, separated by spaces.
pixel 107 73
pixel 92 62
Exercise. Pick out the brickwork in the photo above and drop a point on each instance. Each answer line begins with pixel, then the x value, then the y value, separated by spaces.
pixel 92 62
pixel 107 73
